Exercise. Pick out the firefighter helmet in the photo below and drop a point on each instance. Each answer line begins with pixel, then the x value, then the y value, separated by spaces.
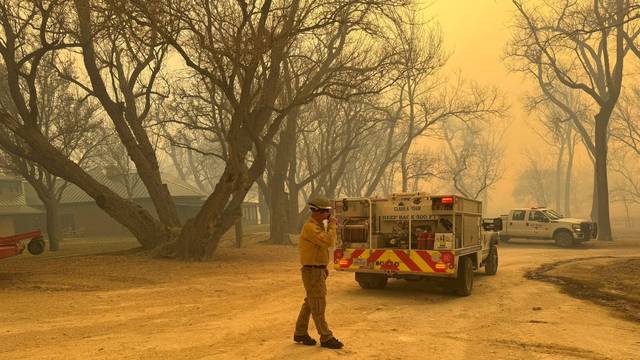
pixel 319 202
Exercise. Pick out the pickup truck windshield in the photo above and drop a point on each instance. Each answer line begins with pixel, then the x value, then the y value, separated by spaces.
pixel 551 214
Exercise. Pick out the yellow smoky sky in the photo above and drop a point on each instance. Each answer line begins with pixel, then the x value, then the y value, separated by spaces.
pixel 476 33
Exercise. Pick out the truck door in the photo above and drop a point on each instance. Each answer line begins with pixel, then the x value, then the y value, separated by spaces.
pixel 539 227
pixel 518 226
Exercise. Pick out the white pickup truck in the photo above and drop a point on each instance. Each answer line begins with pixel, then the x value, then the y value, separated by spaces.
pixel 543 224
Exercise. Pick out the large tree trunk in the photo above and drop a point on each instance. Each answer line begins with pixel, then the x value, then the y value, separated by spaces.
pixel 238 233
pixel 279 217
pixel 568 175
pixel 293 210
pixel 558 178
pixel 201 235
pixel 294 192
pixel 280 221
pixel 603 220
pixel 279 225
pixel 594 195
pixel 54 228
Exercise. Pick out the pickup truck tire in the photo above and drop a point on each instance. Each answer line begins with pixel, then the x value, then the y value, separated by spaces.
pixel 463 283
pixel 563 239
pixel 491 264
pixel 36 246
pixel 371 281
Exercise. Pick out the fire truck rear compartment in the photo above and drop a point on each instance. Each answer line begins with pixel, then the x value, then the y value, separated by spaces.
pixel 390 227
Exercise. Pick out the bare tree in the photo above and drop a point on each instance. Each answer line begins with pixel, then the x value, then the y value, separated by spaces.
pixel 560 133
pixel 421 57
pixel 195 126
pixel 463 101
pixel 535 182
pixel 625 128
pixel 364 59
pixel 112 158
pixel 556 42
pixel 123 62
pixel 625 133
pixel 30 32
pixel 242 51
pixel 71 125
pixel 626 182
pixel 330 132
pixel 370 155
pixel 311 151
pixel 474 155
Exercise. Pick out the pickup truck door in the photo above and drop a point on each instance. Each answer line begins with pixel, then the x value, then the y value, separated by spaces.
pixel 517 225
pixel 539 227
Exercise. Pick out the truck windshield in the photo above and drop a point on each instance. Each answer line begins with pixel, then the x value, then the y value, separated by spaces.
pixel 551 214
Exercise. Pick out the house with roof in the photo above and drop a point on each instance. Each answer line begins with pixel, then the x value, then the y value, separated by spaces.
pixel 15 215
pixel 80 215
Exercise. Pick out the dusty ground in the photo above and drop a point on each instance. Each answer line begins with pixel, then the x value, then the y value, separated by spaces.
pixel 610 281
pixel 243 306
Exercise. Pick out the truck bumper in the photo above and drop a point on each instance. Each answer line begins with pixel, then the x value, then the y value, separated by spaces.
pixel 588 231
pixel 395 262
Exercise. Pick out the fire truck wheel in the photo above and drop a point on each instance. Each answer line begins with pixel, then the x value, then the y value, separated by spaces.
pixel 36 246
pixel 463 284
pixel 491 265
pixel 371 281
pixel 564 239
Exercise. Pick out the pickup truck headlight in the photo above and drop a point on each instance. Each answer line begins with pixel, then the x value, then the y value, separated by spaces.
pixel 576 228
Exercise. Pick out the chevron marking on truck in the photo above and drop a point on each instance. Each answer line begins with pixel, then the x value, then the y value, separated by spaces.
pixel 416 261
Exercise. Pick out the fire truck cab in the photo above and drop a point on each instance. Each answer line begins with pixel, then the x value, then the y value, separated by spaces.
pixel 415 236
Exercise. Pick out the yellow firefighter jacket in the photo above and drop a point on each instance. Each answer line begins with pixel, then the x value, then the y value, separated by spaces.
pixel 314 243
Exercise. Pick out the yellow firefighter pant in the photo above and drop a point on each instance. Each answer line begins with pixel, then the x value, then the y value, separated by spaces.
pixel 314 280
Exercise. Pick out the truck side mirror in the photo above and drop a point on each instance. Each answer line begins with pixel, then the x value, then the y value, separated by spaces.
pixel 492 224
pixel 497 224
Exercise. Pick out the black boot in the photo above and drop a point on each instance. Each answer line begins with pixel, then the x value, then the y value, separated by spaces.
pixel 332 343
pixel 304 339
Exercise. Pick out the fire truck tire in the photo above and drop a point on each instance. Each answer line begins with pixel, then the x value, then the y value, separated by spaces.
pixel 463 284
pixel 371 281
pixel 563 239
pixel 36 246
pixel 491 265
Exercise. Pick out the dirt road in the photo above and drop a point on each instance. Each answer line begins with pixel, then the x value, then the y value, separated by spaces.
pixel 243 306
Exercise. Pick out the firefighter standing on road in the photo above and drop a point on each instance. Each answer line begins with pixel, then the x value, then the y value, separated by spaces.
pixel 317 236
